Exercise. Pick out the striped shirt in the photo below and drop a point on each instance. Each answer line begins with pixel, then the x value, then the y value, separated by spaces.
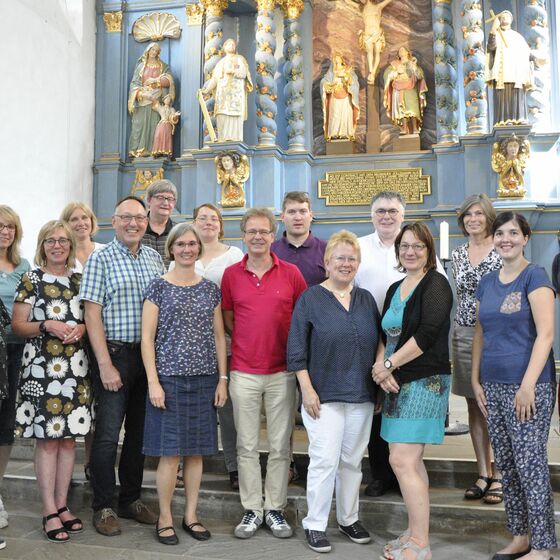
pixel 116 279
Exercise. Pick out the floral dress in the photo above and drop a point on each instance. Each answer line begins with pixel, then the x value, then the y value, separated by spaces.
pixel 54 399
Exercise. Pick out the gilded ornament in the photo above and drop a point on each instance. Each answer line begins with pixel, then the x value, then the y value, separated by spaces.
pixel 509 159
pixel 266 5
pixel 195 13
pixel 143 179
pixel 292 8
pixel 232 171
pixel 215 8
pixel 155 27
pixel 113 22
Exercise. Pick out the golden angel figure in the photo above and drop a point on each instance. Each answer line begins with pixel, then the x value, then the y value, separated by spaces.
pixel 509 159
pixel 232 170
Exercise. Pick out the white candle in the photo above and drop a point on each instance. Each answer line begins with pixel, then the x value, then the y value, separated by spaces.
pixel 444 240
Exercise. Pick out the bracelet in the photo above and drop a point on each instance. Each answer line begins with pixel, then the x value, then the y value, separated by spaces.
pixel 224 377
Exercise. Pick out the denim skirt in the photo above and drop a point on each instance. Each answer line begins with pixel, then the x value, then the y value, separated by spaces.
pixel 188 424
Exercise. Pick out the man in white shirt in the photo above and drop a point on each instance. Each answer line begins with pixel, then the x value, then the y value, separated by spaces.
pixel 376 273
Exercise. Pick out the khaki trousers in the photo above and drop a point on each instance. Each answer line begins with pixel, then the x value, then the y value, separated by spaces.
pixel 248 391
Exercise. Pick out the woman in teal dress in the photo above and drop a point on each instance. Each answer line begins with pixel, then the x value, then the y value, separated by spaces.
pixel 413 370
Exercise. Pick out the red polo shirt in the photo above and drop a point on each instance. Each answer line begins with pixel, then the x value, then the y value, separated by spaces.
pixel 262 312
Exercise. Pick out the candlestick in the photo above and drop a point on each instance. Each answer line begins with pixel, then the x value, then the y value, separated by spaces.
pixel 444 240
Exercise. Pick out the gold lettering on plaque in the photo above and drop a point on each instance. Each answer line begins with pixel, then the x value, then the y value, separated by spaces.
pixel 356 188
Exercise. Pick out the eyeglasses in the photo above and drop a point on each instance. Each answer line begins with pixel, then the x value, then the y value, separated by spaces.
pixel 163 198
pixel 211 219
pixel 183 244
pixel 339 259
pixel 416 247
pixel 8 227
pixel 51 242
pixel 380 212
pixel 255 232
pixel 127 218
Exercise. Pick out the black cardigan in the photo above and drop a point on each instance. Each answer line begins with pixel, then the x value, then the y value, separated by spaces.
pixel 426 318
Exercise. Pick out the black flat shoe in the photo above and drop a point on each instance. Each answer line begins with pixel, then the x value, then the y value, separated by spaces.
pixel 169 539
pixel 198 535
pixel 512 556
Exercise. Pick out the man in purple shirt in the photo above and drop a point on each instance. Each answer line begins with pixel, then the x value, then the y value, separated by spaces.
pixel 297 245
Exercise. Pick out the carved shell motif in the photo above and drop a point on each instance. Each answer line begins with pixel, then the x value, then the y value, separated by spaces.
pixel 156 26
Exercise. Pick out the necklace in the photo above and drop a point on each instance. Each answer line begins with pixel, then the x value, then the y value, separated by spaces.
pixel 339 293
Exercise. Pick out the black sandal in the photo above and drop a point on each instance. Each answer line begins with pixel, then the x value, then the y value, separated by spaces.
pixel 494 495
pixel 69 523
pixel 53 533
pixel 475 492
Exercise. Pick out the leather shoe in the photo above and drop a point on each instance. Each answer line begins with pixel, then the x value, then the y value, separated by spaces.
pixel 378 488
pixel 169 539
pixel 198 535
pixel 138 511
pixel 512 556
pixel 106 522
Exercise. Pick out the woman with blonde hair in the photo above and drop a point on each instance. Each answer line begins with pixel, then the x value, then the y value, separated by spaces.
pixel 12 267
pixel 54 402
pixel 332 346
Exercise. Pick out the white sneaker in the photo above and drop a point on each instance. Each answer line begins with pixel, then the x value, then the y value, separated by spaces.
pixel 248 526
pixel 3 515
pixel 278 524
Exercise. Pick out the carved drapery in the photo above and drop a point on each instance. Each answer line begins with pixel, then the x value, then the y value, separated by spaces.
pixel 538 38
pixel 266 69
pixel 474 61
pixel 445 72
pixel 293 74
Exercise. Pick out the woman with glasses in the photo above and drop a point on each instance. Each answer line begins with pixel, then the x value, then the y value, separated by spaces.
pixel 514 382
pixel 413 370
pixel 217 256
pixel 184 353
pixel 332 346
pixel 12 267
pixel 471 261
pixel 54 403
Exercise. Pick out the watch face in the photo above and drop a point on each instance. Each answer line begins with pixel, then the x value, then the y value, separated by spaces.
pixel 388 364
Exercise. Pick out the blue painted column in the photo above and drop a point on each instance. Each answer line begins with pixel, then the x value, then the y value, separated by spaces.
pixel 474 62
pixel 538 38
pixel 266 69
pixel 445 71
pixel 293 74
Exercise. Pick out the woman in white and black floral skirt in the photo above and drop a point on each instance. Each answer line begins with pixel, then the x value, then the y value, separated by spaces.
pixel 54 391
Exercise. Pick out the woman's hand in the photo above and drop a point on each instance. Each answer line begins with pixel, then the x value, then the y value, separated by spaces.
pixel 480 398
pixel 77 332
pixel 390 384
pixel 59 329
pixel 311 403
pixel 156 394
pixel 524 403
pixel 379 372
pixel 220 396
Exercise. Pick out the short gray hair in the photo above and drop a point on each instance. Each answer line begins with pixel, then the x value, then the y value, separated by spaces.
pixel 389 195
pixel 161 186
pixel 259 213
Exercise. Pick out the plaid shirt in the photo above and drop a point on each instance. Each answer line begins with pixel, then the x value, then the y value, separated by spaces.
pixel 157 241
pixel 115 279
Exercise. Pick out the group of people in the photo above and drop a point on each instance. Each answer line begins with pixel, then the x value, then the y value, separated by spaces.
pixel 168 329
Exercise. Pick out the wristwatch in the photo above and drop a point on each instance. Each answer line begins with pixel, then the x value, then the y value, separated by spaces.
pixel 388 364
pixel 42 327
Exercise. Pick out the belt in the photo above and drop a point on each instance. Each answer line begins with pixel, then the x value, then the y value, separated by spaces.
pixel 121 344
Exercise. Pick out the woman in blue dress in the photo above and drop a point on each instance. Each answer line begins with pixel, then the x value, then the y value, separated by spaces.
pixel 514 381
pixel 413 369
pixel 184 353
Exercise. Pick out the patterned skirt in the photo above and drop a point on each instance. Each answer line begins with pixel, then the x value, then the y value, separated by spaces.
pixel 416 414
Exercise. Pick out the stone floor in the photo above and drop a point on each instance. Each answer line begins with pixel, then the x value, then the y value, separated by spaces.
pixel 26 542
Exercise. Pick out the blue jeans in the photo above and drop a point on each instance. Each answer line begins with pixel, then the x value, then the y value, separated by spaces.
pixel 8 405
pixel 128 404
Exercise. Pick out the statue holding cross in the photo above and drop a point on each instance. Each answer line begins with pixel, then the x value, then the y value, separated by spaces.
pixel 508 70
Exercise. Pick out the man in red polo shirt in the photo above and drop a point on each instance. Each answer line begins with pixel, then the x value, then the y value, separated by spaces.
pixel 258 297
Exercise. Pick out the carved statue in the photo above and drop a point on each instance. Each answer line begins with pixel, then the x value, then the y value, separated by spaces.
pixel 340 98
pixel 151 82
pixel 372 38
pixel 143 179
pixel 232 81
pixel 163 137
pixel 509 159
pixel 232 171
pixel 508 70
pixel 404 94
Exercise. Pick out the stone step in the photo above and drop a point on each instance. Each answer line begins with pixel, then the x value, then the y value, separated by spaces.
pixel 449 512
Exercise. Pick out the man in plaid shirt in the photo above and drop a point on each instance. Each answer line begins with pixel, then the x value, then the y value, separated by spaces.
pixel 112 289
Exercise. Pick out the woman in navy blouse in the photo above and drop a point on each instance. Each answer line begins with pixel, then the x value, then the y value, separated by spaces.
pixel 331 347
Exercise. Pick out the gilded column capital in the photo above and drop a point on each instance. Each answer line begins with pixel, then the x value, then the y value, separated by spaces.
pixel 292 8
pixel 215 8
pixel 266 5
pixel 113 22
pixel 195 13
